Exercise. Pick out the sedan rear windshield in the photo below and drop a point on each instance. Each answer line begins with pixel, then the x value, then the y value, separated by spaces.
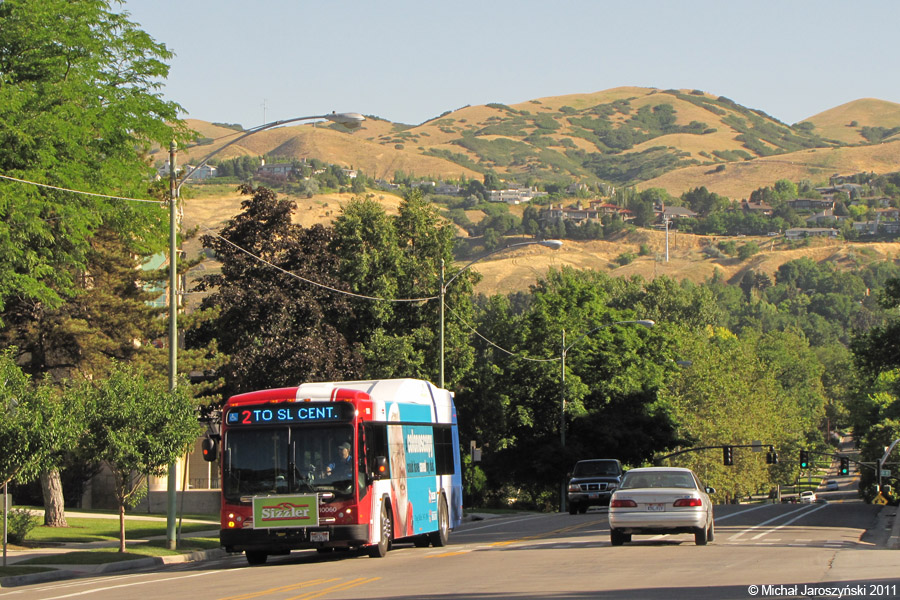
pixel 658 479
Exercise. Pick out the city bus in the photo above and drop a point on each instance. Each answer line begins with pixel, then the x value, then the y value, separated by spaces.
pixel 338 465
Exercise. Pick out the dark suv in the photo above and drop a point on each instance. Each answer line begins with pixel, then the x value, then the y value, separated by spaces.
pixel 592 483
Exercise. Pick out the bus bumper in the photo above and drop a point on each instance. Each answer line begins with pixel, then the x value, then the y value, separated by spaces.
pixel 275 541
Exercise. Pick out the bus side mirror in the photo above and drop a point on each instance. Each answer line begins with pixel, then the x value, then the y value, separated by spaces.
pixel 208 447
pixel 381 467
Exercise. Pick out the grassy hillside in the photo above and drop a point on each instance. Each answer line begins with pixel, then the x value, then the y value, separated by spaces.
pixel 739 179
pixel 675 139
pixel 208 208
pixel 845 123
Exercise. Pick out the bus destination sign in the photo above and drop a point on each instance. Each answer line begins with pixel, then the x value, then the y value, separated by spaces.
pixel 286 414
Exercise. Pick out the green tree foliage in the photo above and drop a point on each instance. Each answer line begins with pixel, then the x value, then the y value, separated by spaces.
pixel 276 327
pixel 136 427
pixel 611 378
pixel 107 312
pixel 875 406
pixel 704 202
pixel 731 395
pixel 23 445
pixel 79 103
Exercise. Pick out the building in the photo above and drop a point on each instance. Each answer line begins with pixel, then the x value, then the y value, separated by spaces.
pixel 514 195
pixel 797 233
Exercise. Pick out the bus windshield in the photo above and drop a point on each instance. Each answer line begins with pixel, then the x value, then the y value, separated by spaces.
pixel 288 460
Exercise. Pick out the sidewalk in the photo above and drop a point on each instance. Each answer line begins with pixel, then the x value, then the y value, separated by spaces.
pixel 70 571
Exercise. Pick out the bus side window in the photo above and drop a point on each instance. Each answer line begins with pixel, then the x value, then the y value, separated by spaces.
pixel 443 450
pixel 361 470
pixel 377 446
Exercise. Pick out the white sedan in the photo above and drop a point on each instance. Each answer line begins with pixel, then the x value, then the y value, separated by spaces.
pixel 661 500
pixel 807 497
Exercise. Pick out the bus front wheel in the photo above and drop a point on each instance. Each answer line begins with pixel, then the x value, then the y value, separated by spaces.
pixel 256 558
pixel 387 530
pixel 440 537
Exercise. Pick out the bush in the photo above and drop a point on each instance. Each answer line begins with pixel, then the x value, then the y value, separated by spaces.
pixel 19 522
pixel 625 258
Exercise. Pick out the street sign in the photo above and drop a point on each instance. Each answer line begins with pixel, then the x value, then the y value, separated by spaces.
pixel 757 445
pixel 879 499
pixel 885 472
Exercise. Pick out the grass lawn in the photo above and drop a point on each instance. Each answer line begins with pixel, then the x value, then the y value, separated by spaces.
pixel 83 529
pixel 133 551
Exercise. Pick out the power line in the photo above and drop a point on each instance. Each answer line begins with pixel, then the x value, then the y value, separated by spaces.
pixel 62 189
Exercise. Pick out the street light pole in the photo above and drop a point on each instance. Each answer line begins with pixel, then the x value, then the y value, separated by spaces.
pixel 562 396
pixel 555 244
pixel 349 120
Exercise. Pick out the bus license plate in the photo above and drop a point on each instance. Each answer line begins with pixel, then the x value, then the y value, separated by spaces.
pixel 318 536
pixel 656 507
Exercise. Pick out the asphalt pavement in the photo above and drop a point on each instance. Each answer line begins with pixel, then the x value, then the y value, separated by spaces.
pixel 68 571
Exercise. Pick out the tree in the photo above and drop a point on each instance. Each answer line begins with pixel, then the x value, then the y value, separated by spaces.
pixel 79 107
pixel 40 420
pixel 106 317
pixel 137 427
pixel 268 309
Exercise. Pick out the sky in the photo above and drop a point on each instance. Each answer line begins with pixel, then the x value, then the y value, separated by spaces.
pixel 255 61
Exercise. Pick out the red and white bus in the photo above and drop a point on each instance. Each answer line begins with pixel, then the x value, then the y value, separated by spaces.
pixel 348 464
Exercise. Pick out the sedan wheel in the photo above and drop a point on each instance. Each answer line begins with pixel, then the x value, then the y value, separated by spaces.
pixel 700 537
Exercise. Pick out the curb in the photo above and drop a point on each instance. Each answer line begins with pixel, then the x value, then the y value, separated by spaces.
pixel 114 567
pixel 893 541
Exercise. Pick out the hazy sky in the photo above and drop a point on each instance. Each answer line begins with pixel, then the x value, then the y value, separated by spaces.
pixel 256 61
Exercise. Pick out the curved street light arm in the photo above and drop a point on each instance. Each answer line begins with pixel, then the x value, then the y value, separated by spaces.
pixel 350 120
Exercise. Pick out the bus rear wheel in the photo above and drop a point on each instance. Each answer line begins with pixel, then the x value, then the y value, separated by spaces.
pixel 256 558
pixel 440 537
pixel 387 530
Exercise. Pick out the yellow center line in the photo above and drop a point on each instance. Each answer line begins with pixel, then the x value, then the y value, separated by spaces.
pixel 336 588
pixel 284 588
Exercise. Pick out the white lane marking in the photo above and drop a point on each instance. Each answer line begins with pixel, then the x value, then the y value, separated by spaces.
pixel 759 535
pixel 133 584
pixel 776 518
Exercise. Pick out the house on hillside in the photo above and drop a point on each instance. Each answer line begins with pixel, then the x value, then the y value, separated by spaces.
pixel 797 233
pixel 756 207
pixel 804 204
pixel 612 210
pixel 576 214
pixel 275 169
pixel 514 195
pixel 672 213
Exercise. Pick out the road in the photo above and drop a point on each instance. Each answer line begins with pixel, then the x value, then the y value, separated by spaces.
pixel 558 556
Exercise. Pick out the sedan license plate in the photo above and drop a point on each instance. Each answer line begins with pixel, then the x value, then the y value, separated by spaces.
pixel 656 507
pixel 318 536
pixel 593 496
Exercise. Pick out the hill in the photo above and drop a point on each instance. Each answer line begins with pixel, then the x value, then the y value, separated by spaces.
pixel 519 268
pixel 675 139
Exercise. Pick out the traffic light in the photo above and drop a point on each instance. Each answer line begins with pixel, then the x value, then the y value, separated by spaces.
pixel 804 459
pixel 727 455
pixel 208 447
pixel 845 465
pixel 771 457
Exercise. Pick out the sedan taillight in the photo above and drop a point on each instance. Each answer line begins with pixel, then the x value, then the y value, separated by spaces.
pixel 689 502
pixel 623 503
